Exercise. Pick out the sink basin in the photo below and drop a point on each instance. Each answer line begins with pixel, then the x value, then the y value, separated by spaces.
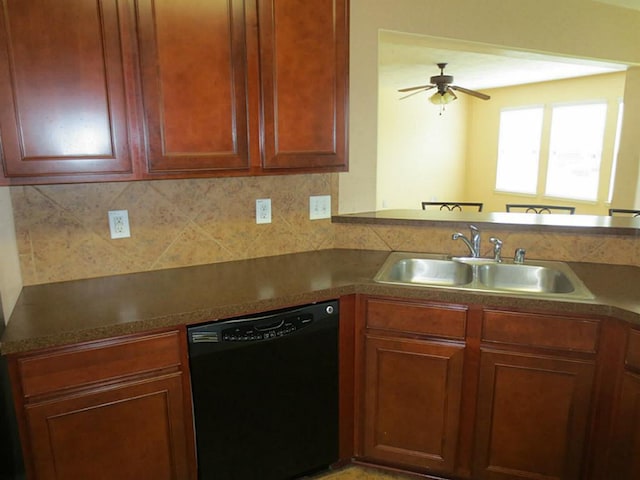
pixel 423 269
pixel 524 278
pixel 538 278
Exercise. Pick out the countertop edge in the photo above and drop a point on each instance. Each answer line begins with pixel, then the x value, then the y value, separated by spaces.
pixel 340 272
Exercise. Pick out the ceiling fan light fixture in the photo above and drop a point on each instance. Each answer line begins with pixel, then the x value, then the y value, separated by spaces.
pixel 442 98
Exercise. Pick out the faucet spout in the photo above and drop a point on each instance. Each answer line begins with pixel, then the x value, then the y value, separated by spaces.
pixel 475 239
pixel 474 244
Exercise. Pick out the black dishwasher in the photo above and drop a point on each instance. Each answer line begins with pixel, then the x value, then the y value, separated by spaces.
pixel 265 393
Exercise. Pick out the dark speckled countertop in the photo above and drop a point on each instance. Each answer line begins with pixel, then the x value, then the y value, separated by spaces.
pixel 71 312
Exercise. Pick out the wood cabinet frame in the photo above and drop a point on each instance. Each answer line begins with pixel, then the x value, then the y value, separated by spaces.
pixel 73 399
pixel 271 79
pixel 570 353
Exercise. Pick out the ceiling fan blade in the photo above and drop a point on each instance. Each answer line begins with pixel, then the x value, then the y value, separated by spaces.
pixel 416 88
pixel 480 95
pixel 415 93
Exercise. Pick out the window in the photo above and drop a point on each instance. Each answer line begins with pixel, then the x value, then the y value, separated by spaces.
pixel 568 163
pixel 519 150
pixel 575 151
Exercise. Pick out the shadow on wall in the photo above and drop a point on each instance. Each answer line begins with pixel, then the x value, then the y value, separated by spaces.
pixel 11 465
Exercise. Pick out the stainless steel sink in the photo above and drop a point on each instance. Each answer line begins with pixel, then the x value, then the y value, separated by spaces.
pixel 538 278
pixel 525 278
pixel 422 269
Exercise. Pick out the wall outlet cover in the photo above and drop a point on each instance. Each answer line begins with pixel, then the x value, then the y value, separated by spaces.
pixel 119 224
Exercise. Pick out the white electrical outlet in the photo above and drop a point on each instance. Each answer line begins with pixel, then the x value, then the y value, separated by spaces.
pixel 263 210
pixel 119 223
pixel 319 207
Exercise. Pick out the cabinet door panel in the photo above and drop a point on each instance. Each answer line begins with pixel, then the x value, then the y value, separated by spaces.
pixel 62 88
pixel 412 402
pixel 193 65
pixel 129 432
pixel 532 416
pixel 624 460
pixel 303 49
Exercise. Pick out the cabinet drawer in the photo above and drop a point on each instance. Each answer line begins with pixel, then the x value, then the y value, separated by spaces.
pixel 94 362
pixel 539 330
pixel 633 350
pixel 447 321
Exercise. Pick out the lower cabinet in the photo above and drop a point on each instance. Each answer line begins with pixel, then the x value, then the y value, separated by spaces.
pixel 465 391
pixel 624 460
pixel 412 401
pixel 412 388
pixel 534 396
pixel 118 408
pixel 532 416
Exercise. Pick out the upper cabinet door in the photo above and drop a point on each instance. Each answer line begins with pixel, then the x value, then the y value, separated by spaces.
pixel 193 70
pixel 304 64
pixel 63 105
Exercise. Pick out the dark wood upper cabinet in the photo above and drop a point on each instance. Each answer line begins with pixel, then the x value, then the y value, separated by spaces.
pixel 63 95
pixel 194 73
pixel 303 66
pixel 101 90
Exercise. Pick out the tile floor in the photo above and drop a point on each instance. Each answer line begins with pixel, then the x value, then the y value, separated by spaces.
pixel 354 472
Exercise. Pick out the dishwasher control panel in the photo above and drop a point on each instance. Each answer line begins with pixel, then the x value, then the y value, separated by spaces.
pixel 263 327
pixel 250 333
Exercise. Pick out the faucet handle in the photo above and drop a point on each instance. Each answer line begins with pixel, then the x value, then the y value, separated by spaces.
pixel 518 257
pixel 497 249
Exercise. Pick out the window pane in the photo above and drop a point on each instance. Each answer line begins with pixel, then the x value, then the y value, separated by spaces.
pixel 519 150
pixel 575 151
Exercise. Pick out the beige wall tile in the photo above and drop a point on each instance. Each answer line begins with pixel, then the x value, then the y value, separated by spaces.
pixel 62 230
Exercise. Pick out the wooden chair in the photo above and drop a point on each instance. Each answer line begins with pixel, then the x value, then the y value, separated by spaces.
pixel 624 212
pixel 454 206
pixel 533 208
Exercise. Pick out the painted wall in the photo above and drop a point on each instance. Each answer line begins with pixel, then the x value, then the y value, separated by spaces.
pixel 10 277
pixel 573 28
pixel 484 131
pixel 421 154
pixel 630 143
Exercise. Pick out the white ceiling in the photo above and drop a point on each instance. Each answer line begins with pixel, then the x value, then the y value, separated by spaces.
pixel 407 60
pixel 633 4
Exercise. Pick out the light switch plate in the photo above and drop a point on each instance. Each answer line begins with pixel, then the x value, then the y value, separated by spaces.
pixel 119 224
pixel 319 207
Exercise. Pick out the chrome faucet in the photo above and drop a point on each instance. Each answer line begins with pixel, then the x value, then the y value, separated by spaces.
pixel 474 244
pixel 518 257
pixel 497 249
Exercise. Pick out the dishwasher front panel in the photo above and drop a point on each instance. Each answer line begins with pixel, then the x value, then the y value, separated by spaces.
pixel 265 394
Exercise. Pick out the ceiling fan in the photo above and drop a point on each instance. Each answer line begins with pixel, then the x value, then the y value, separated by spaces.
pixel 445 93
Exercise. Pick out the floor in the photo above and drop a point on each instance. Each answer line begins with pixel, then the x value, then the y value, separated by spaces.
pixel 354 472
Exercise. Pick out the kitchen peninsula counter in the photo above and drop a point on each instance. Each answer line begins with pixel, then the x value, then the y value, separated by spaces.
pixel 70 312
pixel 591 224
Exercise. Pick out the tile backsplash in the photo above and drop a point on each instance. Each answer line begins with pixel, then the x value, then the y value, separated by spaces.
pixel 63 233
